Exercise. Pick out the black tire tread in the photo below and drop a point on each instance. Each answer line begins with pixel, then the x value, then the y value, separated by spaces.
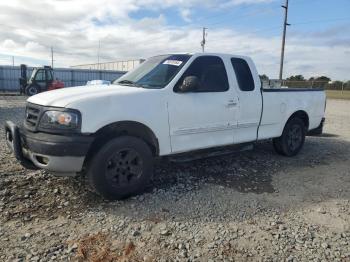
pixel 97 185
pixel 27 88
pixel 280 144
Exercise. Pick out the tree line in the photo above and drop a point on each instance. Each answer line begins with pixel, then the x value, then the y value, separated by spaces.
pixel 314 82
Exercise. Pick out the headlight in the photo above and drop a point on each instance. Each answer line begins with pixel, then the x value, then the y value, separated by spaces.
pixel 66 120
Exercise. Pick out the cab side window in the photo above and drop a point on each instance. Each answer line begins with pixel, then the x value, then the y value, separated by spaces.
pixel 243 74
pixel 211 74
pixel 40 75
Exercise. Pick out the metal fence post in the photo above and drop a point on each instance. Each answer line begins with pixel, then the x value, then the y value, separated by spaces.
pixel 1 77
pixel 72 79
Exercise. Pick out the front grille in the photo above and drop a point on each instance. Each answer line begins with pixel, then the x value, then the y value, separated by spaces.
pixel 32 116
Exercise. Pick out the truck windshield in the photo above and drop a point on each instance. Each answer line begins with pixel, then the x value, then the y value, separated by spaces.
pixel 156 72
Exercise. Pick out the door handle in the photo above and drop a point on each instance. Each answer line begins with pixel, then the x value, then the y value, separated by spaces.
pixel 231 103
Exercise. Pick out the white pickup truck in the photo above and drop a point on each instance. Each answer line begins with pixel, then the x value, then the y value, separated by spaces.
pixel 168 106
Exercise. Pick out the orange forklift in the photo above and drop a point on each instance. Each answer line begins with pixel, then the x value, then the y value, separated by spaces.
pixel 41 80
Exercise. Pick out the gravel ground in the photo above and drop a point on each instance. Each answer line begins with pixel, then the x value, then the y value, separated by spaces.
pixel 249 206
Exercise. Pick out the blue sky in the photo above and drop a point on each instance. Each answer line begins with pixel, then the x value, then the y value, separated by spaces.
pixel 261 16
pixel 318 41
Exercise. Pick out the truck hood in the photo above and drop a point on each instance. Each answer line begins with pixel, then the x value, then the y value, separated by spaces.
pixel 65 96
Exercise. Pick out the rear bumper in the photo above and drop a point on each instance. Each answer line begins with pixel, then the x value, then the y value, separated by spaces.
pixel 62 155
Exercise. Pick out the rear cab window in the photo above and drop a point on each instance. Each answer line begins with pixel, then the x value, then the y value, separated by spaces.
pixel 243 74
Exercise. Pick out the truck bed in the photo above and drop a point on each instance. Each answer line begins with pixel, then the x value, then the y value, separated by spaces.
pixel 280 103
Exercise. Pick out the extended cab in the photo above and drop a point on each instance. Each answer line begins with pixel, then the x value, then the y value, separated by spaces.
pixel 170 104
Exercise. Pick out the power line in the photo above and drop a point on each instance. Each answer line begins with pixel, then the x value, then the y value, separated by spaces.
pixel 155 37
pixel 239 17
pixel 248 14
pixel 264 10
pixel 201 19
pixel 162 37
pixel 323 21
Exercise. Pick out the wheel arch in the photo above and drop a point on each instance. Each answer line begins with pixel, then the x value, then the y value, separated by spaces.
pixel 302 115
pixel 130 128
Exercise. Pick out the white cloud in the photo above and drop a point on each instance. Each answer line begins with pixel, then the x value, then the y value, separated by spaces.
pixel 9 44
pixel 29 28
pixel 231 3
pixel 186 15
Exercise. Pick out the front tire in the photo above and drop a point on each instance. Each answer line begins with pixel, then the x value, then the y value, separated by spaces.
pixel 292 139
pixel 32 90
pixel 121 168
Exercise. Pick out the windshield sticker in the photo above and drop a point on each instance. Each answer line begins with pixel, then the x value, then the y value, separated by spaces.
pixel 172 62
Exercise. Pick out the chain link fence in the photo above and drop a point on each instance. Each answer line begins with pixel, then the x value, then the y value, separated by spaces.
pixel 327 85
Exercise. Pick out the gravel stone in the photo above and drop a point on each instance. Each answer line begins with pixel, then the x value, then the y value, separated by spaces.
pixel 247 206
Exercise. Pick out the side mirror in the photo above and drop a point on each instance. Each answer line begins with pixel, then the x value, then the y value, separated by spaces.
pixel 189 84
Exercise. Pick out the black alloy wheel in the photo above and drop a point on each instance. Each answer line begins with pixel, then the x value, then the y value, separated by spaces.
pixel 292 139
pixel 122 167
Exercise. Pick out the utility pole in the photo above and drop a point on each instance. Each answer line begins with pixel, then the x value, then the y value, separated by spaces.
pixel 203 39
pixel 285 24
pixel 51 57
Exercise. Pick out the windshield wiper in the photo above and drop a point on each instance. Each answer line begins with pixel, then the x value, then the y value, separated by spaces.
pixel 152 85
pixel 128 82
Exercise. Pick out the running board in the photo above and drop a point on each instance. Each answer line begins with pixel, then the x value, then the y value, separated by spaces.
pixel 208 153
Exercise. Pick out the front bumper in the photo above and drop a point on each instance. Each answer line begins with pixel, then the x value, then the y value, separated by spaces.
pixel 62 155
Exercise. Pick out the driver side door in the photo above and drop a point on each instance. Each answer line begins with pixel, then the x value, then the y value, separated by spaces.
pixel 40 79
pixel 207 116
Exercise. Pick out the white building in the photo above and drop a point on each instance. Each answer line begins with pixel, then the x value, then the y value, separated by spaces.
pixel 125 65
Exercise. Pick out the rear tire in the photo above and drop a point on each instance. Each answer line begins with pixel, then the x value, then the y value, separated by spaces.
pixel 121 168
pixel 32 90
pixel 292 139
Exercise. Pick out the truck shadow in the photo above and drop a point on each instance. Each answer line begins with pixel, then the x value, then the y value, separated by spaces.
pixel 328 135
pixel 249 171
pixel 242 183
pixel 306 176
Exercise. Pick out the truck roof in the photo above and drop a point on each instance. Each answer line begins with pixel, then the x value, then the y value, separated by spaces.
pixel 213 54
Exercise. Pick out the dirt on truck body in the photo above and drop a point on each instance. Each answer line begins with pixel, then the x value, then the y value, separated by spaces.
pixel 249 206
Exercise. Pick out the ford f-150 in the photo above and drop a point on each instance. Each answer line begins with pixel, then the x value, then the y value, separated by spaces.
pixel 169 105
